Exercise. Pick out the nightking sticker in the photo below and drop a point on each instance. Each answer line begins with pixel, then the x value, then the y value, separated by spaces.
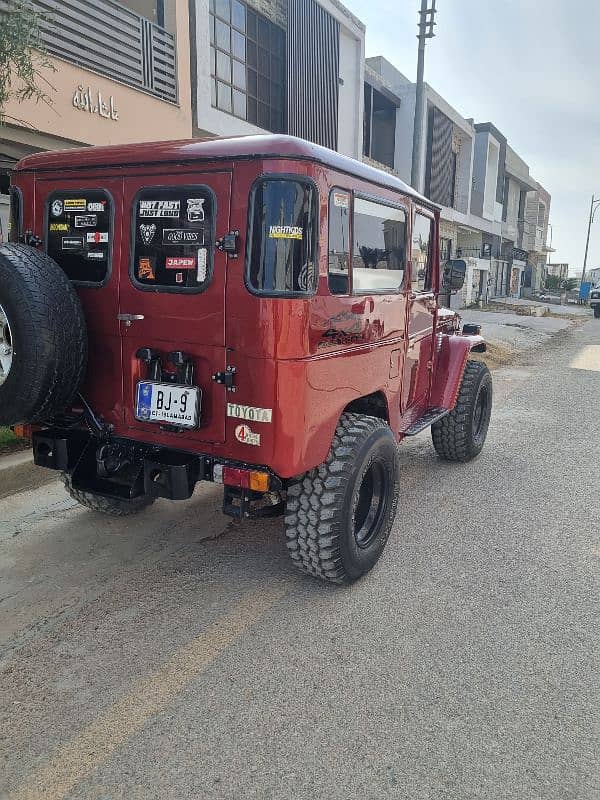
pixel 72 242
pixel 244 435
pixel 249 413
pixel 97 206
pixel 341 200
pixel 86 221
pixel 160 208
pixel 56 227
pixel 285 232
pixel 147 232
pixel 76 205
pixel 97 237
pixel 180 262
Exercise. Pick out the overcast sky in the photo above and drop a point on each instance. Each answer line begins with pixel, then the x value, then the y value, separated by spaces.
pixel 532 68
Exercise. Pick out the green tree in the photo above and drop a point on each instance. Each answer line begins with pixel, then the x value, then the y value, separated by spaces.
pixel 22 56
pixel 553 283
pixel 570 284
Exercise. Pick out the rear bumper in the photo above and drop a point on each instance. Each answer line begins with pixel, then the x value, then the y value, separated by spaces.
pixel 126 469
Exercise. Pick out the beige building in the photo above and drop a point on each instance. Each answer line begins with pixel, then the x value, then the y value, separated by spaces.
pixel 122 74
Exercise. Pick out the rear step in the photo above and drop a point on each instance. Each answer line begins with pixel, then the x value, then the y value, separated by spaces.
pixel 426 421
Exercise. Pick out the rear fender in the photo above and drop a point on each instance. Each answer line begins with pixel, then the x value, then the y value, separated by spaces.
pixel 453 353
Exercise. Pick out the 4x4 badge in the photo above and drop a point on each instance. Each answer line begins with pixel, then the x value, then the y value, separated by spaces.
pixel 147 232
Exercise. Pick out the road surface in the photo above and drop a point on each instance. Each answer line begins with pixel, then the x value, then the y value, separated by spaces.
pixel 142 660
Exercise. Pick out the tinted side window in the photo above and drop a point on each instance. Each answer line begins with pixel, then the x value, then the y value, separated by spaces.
pixel 79 234
pixel 173 238
pixel 339 242
pixel 379 247
pixel 283 237
pixel 421 253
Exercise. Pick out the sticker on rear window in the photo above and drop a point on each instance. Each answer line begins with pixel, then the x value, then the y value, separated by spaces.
pixel 182 236
pixel 78 204
pixel 56 209
pixel 146 270
pixel 100 206
pixel 180 262
pixel 160 208
pixel 97 237
pixel 195 209
pixel 147 233
pixel 72 243
pixel 59 226
pixel 86 221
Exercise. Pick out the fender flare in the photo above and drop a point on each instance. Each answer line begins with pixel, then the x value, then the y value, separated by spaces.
pixel 451 359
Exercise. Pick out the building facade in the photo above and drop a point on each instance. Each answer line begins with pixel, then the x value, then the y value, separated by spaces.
pixel 251 71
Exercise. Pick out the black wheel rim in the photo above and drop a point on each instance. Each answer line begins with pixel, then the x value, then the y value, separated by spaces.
pixel 371 505
pixel 480 414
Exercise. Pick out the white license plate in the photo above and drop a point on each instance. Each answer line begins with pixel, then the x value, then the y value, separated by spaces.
pixel 168 403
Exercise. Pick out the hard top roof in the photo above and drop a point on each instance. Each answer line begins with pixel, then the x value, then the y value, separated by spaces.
pixel 210 149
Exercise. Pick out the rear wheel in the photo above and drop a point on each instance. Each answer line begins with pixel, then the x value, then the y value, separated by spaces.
pixel 461 434
pixel 339 515
pixel 111 506
pixel 597 311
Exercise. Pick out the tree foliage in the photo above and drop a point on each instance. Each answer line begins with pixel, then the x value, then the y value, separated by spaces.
pixel 22 55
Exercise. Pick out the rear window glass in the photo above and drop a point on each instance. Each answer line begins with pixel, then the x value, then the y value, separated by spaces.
pixel 283 237
pixel 173 238
pixel 79 234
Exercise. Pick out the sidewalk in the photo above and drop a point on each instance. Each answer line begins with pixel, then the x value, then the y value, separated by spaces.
pixel 514 302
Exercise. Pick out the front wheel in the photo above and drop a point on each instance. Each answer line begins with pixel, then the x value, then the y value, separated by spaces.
pixel 461 434
pixel 339 515
pixel 597 311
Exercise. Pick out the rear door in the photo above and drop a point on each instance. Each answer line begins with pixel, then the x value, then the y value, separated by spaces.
pixel 172 294
pixel 421 315
pixel 81 221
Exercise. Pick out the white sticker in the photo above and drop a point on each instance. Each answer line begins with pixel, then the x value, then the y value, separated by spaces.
pixel 86 221
pixel 195 209
pixel 97 237
pixel 341 200
pixel 159 208
pixel 202 259
pixel 250 413
pixel 244 435
pixel 96 206
pixel 56 208
pixel 147 232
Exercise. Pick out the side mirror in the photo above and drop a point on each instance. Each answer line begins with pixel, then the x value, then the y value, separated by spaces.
pixel 453 278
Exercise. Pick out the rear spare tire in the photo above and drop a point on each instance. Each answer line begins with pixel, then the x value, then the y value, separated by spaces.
pixel 111 506
pixel 43 338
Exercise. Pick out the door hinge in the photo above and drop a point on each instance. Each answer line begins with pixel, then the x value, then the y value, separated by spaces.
pixel 226 379
pixel 229 244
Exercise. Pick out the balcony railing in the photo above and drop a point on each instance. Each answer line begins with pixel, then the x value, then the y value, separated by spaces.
pixel 485 251
pixel 109 39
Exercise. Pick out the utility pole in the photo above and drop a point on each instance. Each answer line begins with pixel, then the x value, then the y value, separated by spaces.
pixel 593 209
pixel 426 26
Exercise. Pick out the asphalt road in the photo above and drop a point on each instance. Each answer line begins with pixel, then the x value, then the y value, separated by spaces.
pixel 143 661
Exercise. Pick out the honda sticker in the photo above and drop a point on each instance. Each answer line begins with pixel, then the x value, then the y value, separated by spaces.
pixel 61 227
pixel 97 237
pixel 168 209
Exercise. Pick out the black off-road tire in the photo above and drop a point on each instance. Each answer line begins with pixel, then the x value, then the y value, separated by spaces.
pixel 48 334
pixel 112 507
pixel 324 507
pixel 461 434
pixel 597 311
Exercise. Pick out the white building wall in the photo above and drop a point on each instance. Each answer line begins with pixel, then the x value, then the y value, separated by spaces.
pixel 351 95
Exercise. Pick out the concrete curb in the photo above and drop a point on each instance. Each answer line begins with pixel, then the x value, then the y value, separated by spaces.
pixel 19 474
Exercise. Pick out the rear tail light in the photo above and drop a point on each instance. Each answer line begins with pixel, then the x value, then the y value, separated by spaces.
pixel 255 480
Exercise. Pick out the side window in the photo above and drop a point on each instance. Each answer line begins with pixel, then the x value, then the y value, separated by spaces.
pixel 173 229
pixel 339 242
pixel 421 253
pixel 79 234
pixel 283 237
pixel 378 253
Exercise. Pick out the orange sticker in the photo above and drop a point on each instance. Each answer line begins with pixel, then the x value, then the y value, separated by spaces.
pixel 145 270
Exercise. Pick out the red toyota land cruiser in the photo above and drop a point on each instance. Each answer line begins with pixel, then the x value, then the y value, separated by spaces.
pixel 259 312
